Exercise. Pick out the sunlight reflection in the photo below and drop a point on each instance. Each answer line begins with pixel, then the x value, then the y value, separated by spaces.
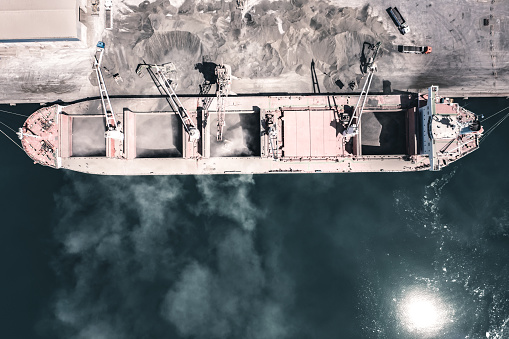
pixel 423 311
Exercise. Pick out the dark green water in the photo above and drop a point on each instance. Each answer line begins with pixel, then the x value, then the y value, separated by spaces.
pixel 273 256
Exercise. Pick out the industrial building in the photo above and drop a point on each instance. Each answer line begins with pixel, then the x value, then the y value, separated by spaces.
pixel 37 21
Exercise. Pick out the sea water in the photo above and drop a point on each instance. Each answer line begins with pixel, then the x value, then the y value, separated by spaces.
pixel 383 255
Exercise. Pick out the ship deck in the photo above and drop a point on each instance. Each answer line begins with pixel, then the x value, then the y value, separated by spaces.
pixel 262 134
pixel 309 136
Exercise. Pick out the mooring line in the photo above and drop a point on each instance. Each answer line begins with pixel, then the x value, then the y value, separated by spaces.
pixel 14 142
pixel 18 114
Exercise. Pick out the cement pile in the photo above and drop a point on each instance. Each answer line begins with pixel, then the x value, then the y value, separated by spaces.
pixel 265 40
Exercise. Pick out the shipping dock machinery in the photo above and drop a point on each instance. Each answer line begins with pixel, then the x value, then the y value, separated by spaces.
pixel 262 134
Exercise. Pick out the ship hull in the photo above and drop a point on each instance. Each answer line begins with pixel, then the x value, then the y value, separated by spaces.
pixel 262 134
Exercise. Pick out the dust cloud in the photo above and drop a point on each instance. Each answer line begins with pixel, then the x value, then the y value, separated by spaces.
pixel 88 137
pixel 139 260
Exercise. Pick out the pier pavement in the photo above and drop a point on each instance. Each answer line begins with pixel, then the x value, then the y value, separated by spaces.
pixel 470 52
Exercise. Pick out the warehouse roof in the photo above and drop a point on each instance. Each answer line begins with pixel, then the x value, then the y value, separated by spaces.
pixel 22 20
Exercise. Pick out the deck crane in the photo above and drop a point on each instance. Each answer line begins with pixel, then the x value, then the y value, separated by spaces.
pixel 367 66
pixel 164 85
pixel 224 81
pixel 206 102
pixel 112 128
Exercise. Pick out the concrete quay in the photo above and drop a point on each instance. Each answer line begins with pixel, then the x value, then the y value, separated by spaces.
pixel 270 46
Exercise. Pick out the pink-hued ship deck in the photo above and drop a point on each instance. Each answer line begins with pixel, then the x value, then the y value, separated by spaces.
pixel 311 133
pixel 262 134
pixel 40 136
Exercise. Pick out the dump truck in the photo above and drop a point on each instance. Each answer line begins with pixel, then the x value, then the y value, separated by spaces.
pixel 109 15
pixel 415 49
pixel 398 20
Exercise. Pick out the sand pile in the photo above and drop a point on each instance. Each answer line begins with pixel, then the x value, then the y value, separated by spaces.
pixel 266 39
pixel 182 48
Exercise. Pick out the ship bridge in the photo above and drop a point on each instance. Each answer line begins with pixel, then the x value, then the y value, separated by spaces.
pixel 448 130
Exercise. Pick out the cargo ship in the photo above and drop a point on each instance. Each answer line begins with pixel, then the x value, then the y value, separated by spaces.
pixel 313 133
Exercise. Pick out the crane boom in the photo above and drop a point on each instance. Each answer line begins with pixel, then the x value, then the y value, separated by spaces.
pixel 224 81
pixel 353 124
pixel 112 130
pixel 367 66
pixel 220 116
pixel 175 103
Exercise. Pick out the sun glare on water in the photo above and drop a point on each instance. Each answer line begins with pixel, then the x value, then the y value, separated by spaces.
pixel 423 312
